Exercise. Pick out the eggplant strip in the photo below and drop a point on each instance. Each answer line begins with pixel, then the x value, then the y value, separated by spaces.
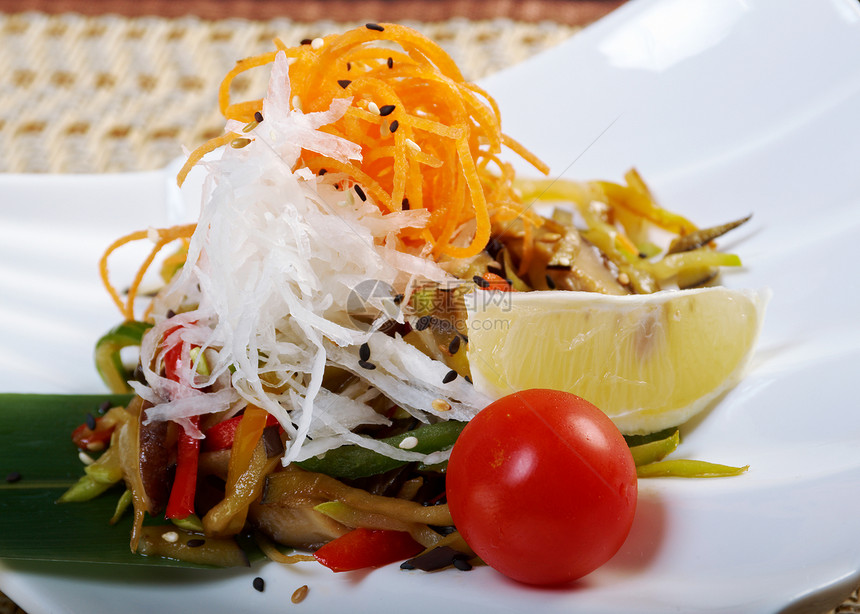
pixel 292 484
pixel 355 518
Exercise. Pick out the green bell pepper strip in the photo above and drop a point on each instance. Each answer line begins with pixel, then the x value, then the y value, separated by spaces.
pixel 352 462
pixel 107 353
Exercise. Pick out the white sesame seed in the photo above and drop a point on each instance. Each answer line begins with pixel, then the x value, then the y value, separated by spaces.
pixel 170 537
pixel 441 405
pixel 85 458
pixel 297 103
pixel 371 106
pixel 299 594
pixel 623 279
pixel 317 44
pixel 413 145
pixel 408 443
pixel 153 234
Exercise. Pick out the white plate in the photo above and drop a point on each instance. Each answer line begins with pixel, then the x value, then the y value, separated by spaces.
pixel 726 108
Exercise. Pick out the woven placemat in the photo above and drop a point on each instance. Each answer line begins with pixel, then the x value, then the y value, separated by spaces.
pixel 108 93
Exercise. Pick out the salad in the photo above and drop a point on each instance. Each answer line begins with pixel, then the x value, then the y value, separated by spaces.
pixel 303 368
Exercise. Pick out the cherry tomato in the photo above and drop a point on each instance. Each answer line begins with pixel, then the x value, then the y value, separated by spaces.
pixel 542 486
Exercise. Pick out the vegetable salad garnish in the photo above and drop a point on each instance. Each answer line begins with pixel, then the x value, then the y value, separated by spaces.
pixel 305 365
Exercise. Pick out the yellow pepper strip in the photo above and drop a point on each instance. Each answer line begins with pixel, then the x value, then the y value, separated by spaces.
pixel 244 475
pixel 683 468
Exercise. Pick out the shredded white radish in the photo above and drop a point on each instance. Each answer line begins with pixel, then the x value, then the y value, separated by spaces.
pixel 273 270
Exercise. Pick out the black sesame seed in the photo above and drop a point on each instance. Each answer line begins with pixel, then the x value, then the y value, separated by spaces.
pixel 407 565
pixel 348 66
pixel 462 564
pixel 91 421
pixel 494 246
pixel 480 281
pixel 170 313
pixel 321 172
pixel 259 584
pixel 307 41
pixel 450 376
pixel 366 365
pixel 398 298
pixel 364 352
pixel 390 62
pixel 467 378
pixel 374 26
pixel 344 83
pixel 394 125
pixel 195 543
pixel 423 322
pixel 258 117
pixel 387 109
pixel 360 192
pixel 454 345
pixel 13 477
pixel 550 282
pixel 404 204
pixel 495 268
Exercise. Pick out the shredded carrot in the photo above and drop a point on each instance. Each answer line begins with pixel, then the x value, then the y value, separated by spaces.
pixel 161 237
pixel 444 127
pixel 201 151
pixel 435 146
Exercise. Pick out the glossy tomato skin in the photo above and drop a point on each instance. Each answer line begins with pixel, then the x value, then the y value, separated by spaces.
pixel 542 486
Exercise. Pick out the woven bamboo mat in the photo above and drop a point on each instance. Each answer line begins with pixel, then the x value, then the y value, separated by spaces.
pixel 106 93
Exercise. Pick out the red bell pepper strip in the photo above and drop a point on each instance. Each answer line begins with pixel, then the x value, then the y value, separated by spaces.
pixel 181 501
pixel 362 548
pixel 497 282
pixel 221 436
pixel 92 439
pixel 180 504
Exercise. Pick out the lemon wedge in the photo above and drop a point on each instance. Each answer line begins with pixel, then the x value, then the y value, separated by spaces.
pixel 649 361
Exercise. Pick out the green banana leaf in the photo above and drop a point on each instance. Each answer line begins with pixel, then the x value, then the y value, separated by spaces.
pixel 35 442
